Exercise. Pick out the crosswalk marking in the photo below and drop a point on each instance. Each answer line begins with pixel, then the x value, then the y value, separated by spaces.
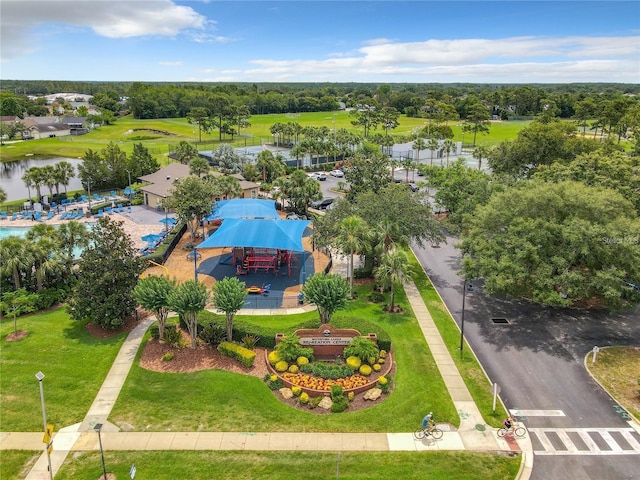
pixel 588 436
pixel 536 413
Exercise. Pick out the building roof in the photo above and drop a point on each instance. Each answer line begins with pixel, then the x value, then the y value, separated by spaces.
pixel 244 208
pixel 162 180
pixel 50 127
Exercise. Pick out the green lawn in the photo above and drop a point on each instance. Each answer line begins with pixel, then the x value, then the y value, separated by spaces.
pixel 74 364
pixel 298 465
pixel 471 371
pixel 127 131
pixel 222 401
pixel 13 463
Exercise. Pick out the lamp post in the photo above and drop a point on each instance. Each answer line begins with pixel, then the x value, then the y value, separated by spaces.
pixel 98 428
pixel 166 209
pixel 129 175
pixel 466 286
pixel 40 377
pixel 89 193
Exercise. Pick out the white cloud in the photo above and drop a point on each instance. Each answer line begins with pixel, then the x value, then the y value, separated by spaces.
pixel 112 19
pixel 171 64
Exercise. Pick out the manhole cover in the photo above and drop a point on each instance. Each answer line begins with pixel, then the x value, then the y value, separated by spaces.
pixel 500 320
pixel 481 427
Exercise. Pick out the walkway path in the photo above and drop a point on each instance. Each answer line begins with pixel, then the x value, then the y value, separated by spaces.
pixel 473 433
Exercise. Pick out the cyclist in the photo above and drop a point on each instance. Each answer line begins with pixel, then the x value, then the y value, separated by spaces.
pixel 427 422
pixel 508 423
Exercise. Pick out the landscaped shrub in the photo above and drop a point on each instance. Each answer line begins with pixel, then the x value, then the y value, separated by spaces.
pixel 363 348
pixel 350 396
pixel 290 349
pixel 250 341
pixel 273 381
pixel 365 370
pixel 302 361
pixel 384 383
pixel 212 333
pixel 336 392
pixel 293 368
pixel 245 356
pixel 354 362
pixel 281 366
pixel 327 370
pixel 49 297
pixel 154 331
pixel 383 354
pixel 173 336
pixel 167 357
pixel 296 390
pixel 376 367
pixel 364 326
pixel 304 398
pixel 340 405
pixel 273 358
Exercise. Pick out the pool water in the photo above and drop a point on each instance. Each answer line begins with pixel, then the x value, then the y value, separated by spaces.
pixel 21 232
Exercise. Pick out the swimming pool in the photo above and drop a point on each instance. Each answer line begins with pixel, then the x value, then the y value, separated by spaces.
pixel 21 232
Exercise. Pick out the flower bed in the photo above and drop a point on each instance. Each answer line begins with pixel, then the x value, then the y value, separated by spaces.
pixel 316 386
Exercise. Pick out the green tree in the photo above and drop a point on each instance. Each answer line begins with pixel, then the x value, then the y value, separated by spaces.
pixel 229 295
pixel 199 167
pixel 227 159
pixel 153 293
pixel 108 272
pixel 63 173
pixel 227 187
pixel 188 299
pixel 557 244
pixel 17 303
pixel 329 292
pixel 141 162
pixel 353 236
pixel 480 152
pixel 200 116
pixel 16 259
pixel 184 152
pixel 367 172
pixel 419 144
pixel 3 195
pixel 191 200
pixel 270 167
pixel 300 189
pixel 394 268
pixel 477 120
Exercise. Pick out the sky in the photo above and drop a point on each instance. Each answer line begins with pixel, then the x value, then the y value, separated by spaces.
pixel 321 41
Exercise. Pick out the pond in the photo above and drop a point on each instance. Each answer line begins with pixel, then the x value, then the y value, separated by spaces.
pixel 11 176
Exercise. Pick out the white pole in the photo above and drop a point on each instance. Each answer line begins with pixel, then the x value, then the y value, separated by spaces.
pixel 40 376
pixel 495 395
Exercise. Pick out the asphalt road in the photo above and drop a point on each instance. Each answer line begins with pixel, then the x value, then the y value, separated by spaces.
pixel 537 359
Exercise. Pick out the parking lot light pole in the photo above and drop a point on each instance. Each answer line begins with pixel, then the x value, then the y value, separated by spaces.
pixel 40 377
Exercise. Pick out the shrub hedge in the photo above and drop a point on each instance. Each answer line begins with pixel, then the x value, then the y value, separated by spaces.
pixel 245 356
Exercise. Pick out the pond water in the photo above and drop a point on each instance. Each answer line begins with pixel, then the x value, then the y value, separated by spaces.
pixel 11 177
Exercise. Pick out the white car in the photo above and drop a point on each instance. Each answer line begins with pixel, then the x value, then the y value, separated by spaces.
pixel 336 173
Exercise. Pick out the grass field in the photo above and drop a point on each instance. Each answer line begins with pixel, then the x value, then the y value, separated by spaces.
pixel 223 401
pixel 158 134
pixel 74 364
pixel 294 465
pixel 14 462
pixel 618 369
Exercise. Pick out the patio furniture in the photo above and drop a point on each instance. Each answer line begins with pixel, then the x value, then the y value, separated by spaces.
pixel 50 215
pixel 3 215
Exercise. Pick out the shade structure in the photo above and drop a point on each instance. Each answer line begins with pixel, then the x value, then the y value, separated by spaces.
pixel 168 221
pixel 243 208
pixel 274 234
pixel 129 191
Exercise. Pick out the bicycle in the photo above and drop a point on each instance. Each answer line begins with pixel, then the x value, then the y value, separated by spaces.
pixel 420 433
pixel 517 431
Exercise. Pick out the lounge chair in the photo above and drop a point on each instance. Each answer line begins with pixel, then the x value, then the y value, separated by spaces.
pixel 50 215
pixel 83 198
pixel 100 214
pixel 37 216
pixel 3 215
pixel 120 208
pixel 113 194
pixel 108 210
pixel 71 215
pixel 14 216
pixel 266 289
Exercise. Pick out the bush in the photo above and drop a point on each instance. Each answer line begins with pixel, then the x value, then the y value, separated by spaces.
pixel 384 383
pixel 361 347
pixel 173 336
pixel 250 341
pixel 49 297
pixel 274 382
pixel 365 370
pixel 340 405
pixel 293 368
pixel 383 354
pixel 167 357
pixel 350 396
pixel 336 392
pixel 375 297
pixel 363 325
pixel 273 358
pixel 212 333
pixel 245 356
pixel 376 367
pixel 304 398
pixel 354 362
pixel 296 390
pixel 281 366
pixel 302 361
pixel 290 349
pixel 327 370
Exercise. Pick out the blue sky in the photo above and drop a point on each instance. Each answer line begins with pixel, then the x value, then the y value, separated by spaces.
pixel 325 41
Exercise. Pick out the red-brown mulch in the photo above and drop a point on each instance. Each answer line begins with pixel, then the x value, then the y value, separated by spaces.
pixel 17 336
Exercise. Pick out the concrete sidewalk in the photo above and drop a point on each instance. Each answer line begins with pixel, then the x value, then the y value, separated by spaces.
pixel 473 433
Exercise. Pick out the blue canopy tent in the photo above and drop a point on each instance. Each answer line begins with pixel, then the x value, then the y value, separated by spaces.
pixel 243 208
pixel 259 233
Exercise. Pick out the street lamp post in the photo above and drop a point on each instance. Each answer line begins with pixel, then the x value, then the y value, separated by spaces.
pixel 466 286
pixel 129 175
pixel 89 193
pixel 98 428
pixel 40 377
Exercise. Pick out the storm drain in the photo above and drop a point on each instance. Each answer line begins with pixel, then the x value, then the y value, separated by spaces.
pixel 500 320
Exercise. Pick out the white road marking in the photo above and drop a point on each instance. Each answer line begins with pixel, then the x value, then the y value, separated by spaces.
pixel 536 413
pixel 593 448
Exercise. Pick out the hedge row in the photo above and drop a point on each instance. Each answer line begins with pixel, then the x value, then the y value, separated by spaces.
pixel 245 356
pixel 267 334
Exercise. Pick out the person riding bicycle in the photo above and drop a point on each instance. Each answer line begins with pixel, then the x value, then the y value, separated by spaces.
pixel 427 422
pixel 508 423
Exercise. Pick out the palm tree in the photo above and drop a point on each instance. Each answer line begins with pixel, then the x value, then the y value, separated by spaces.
pixel 394 268
pixel 419 144
pixel 407 164
pixel 480 152
pixel 228 186
pixel 3 195
pixel 64 172
pixel 433 145
pixel 448 147
pixel 45 260
pixel 49 178
pixel 198 166
pixel 71 235
pixel 15 258
pixel 36 178
pixel 27 178
pixel 352 237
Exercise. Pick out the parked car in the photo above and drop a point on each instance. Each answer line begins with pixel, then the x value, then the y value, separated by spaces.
pixel 336 173
pixel 322 204
pixel 414 187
